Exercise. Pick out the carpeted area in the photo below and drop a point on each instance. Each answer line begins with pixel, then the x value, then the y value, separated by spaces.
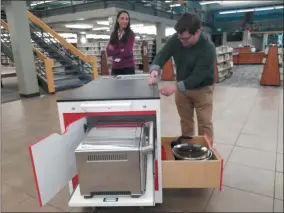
pixel 245 76
pixel 10 90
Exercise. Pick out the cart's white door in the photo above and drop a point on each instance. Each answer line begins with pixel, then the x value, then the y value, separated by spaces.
pixel 53 160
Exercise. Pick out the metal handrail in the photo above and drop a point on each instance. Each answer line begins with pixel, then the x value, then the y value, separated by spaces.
pixel 43 64
pixel 40 69
pixel 74 61
pixel 5 37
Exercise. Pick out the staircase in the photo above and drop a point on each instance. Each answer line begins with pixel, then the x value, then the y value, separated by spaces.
pixel 70 68
pixel 6 46
pixel 3 16
pixel 43 70
pixel 75 66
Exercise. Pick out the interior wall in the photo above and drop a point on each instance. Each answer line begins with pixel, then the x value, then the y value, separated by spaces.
pixel 234 44
pixel 257 42
pixel 207 31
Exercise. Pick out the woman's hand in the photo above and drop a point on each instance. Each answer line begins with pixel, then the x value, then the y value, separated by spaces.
pixel 110 47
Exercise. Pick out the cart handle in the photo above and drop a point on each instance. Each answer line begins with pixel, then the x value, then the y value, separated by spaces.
pixel 106 105
pixel 150 147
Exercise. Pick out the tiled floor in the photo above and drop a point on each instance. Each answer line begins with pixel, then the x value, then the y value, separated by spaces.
pixel 249 135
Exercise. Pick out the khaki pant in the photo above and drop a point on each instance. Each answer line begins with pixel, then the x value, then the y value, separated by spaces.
pixel 202 101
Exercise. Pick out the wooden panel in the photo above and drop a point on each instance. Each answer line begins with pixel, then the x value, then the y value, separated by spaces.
pixel 104 64
pixel 271 74
pixel 243 49
pixel 216 74
pixel 168 71
pixel 48 64
pixel 248 58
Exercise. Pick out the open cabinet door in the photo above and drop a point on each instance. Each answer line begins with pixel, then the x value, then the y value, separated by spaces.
pixel 53 160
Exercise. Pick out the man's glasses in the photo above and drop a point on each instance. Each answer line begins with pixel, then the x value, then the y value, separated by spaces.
pixel 184 38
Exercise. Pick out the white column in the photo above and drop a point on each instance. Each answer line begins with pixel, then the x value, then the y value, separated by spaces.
pixel 246 37
pixel 224 38
pixel 161 33
pixel 265 41
pixel 20 35
pixel 112 21
pixel 81 39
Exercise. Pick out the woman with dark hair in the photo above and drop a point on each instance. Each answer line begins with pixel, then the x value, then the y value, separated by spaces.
pixel 120 46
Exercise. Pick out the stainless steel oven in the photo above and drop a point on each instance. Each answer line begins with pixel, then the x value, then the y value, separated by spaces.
pixel 111 159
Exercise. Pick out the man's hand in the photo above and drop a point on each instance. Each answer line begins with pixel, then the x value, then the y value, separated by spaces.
pixel 168 90
pixel 153 77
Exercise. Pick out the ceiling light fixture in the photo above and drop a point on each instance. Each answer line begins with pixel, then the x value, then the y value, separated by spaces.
pixel 79 26
pixel 72 40
pixel 222 2
pixel 100 28
pixel 245 10
pixel 175 5
pixel 228 12
pixel 210 2
pixel 68 35
pixel 250 10
pixel 137 25
pixel 106 23
pixel 95 36
pixel 264 8
pixel 232 2
pixel 41 2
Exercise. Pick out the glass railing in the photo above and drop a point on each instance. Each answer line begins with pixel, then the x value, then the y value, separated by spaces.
pixel 61 7
pixel 150 7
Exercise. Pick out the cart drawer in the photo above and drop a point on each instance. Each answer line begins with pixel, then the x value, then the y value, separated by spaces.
pixel 191 174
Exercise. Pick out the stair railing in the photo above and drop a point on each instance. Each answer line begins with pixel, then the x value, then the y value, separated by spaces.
pixel 44 64
pixel 72 60
pixel 48 67
pixel 65 44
